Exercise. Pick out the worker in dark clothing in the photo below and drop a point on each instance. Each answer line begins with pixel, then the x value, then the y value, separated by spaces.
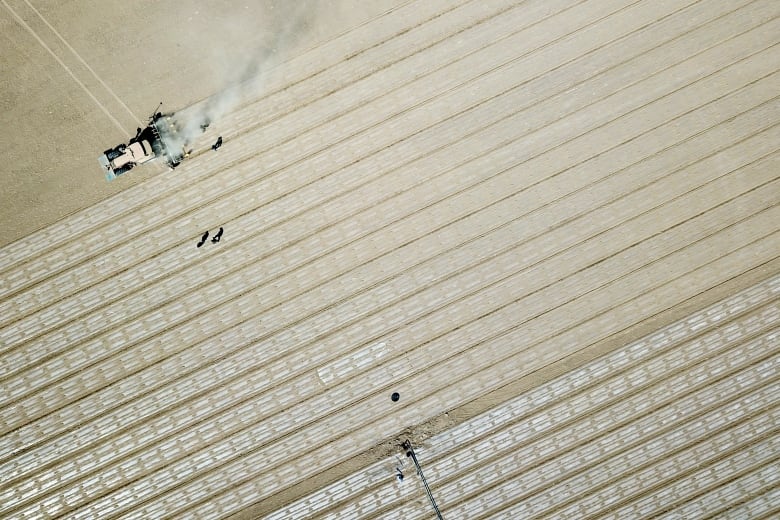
pixel 217 236
pixel 216 145
pixel 203 238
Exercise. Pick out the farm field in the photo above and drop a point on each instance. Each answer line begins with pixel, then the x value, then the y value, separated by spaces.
pixel 550 226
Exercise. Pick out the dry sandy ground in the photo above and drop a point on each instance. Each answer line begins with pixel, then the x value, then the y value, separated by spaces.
pixel 459 200
pixel 79 77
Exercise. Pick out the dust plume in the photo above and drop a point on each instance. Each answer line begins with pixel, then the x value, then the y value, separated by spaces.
pixel 242 61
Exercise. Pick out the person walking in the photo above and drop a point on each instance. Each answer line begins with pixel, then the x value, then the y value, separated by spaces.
pixel 203 238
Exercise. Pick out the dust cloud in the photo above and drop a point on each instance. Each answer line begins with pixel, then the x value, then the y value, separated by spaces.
pixel 251 45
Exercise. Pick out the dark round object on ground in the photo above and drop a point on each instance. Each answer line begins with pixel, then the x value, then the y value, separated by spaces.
pixel 396 396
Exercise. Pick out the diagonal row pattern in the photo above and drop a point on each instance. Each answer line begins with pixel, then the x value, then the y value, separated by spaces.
pixel 714 371
pixel 444 200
